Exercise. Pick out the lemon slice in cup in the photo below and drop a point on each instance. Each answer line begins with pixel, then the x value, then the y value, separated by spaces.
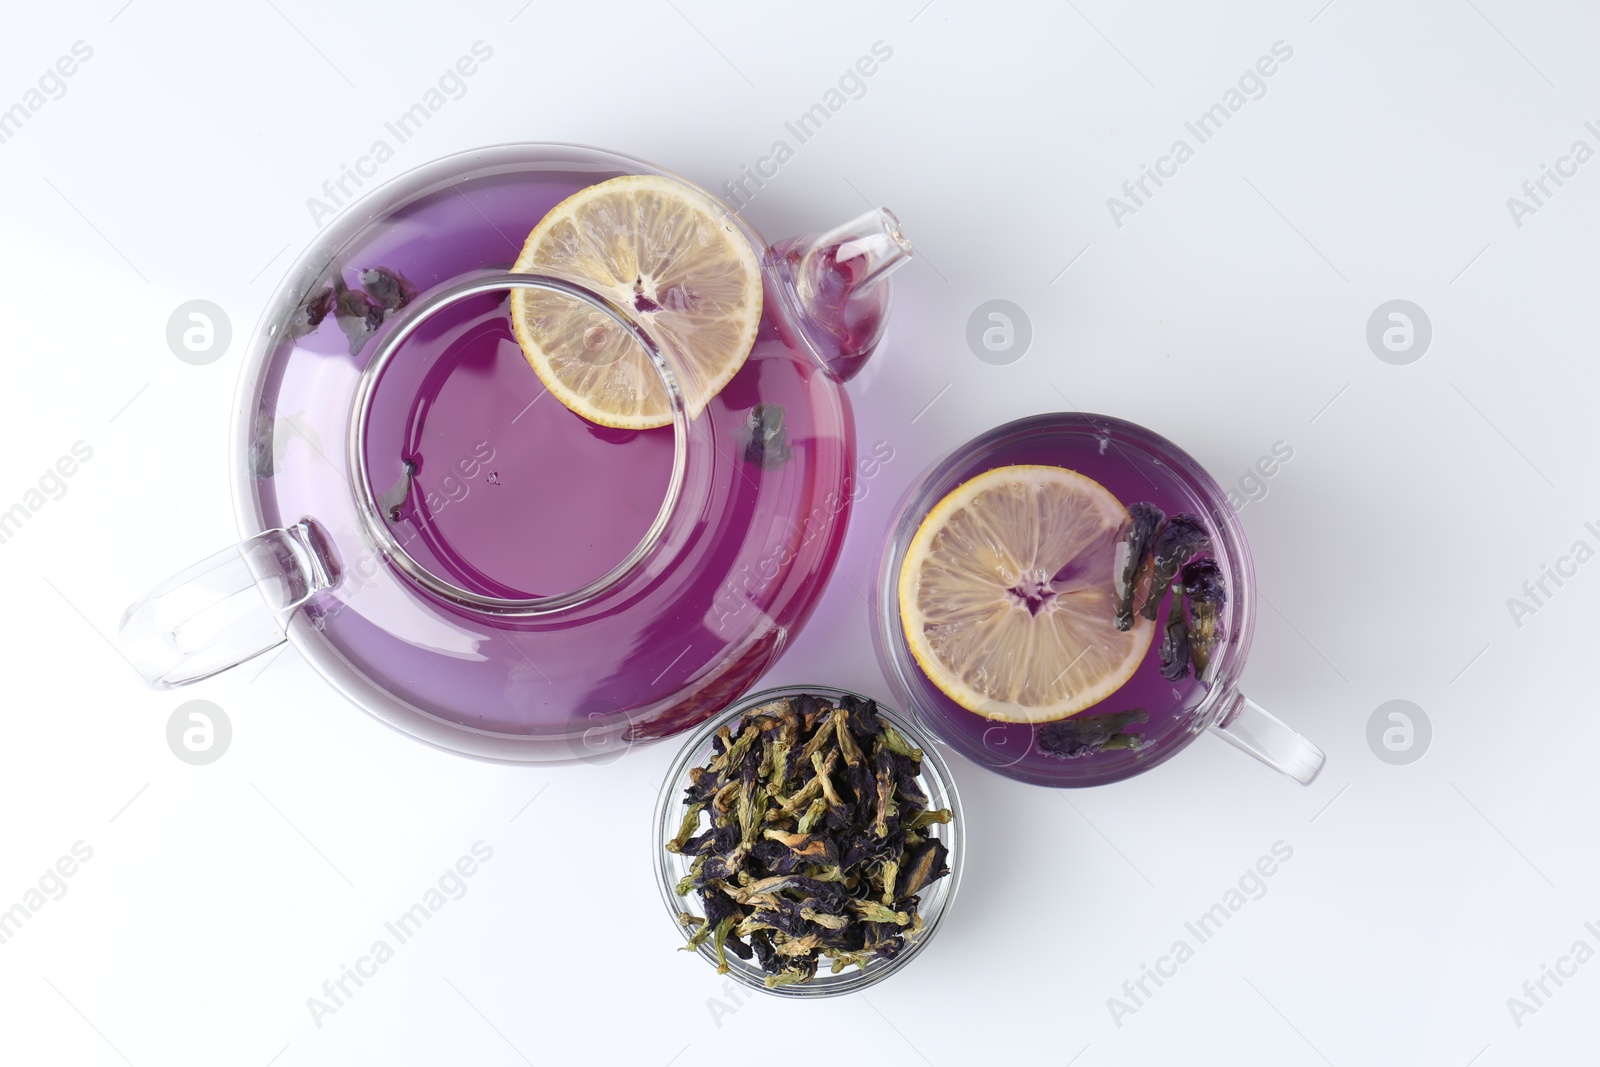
pixel 663 249
pixel 1007 595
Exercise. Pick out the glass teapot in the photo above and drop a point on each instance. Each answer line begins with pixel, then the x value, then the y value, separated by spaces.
pixel 463 556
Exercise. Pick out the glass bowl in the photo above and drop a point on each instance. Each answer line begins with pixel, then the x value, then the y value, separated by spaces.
pixel 935 780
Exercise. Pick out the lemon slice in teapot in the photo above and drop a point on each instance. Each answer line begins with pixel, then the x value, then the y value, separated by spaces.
pixel 672 255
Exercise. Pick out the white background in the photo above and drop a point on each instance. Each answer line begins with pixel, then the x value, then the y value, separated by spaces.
pixel 1229 313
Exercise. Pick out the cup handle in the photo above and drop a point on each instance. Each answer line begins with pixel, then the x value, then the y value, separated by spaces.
pixel 227 608
pixel 1248 727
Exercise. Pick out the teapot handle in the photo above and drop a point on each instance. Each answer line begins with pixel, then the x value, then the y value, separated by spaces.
pixel 1248 727
pixel 227 608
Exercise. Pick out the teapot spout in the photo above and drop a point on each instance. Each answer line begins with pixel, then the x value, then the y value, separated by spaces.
pixel 835 287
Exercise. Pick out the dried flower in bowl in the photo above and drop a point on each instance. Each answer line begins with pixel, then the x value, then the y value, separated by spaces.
pixel 808 827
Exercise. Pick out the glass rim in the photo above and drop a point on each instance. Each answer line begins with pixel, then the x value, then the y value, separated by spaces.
pixel 388 347
pixel 936 777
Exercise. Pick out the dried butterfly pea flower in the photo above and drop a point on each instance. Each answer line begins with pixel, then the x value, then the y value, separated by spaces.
pixel 1133 557
pixel 691 822
pixel 1084 735
pixel 794 973
pixel 876 912
pixel 1175 643
pixel 928 864
pixel 765 955
pixel 738 947
pixel 928 818
pixel 392 503
pixel 816 840
pixel 263 460
pixel 905 782
pixel 1206 593
pixel 863 716
pixel 1182 538
pixel 359 311
pixel 358 316
pixel 805 848
pixel 387 288
pixel 309 315
pixel 887 809
pixel 894 742
pixel 766 440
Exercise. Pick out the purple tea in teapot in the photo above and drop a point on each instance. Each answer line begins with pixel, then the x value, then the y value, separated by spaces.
pixel 434 500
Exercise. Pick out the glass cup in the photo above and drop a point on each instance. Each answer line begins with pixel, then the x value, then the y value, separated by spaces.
pixel 1133 464
pixel 936 898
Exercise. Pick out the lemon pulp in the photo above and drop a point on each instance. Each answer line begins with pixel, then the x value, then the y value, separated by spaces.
pixel 1007 595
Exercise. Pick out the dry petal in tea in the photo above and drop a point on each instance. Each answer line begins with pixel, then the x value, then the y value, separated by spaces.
pixel 1205 592
pixel 1084 735
pixel 387 289
pixel 1133 557
pixel 358 315
pixel 1165 551
pixel 767 442
pixel 1175 643
pixel 1182 538
pixel 809 832
pixel 360 312
pixel 309 315
pixel 1170 553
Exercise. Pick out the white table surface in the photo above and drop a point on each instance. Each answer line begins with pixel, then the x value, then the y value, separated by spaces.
pixel 1228 312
